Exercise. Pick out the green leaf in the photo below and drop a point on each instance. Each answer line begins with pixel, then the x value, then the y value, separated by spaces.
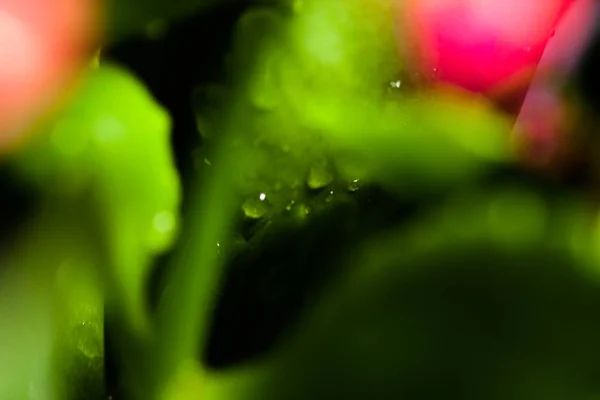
pixel 110 149
pixel 487 297
pixel 51 269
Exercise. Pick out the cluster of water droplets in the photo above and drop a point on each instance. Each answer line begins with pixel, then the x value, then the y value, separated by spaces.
pixel 286 174
pixel 283 176
pixel 317 188
pixel 288 169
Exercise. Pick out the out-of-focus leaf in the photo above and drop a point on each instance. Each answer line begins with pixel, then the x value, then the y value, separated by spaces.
pixel 52 266
pixel 79 351
pixel 111 150
pixel 494 296
pixel 424 142
pixel 26 336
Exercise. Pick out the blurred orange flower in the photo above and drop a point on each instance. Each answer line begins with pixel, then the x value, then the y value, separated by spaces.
pixel 43 44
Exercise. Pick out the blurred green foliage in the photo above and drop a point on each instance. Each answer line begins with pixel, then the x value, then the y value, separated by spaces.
pixel 493 296
pixel 110 149
pixel 109 204
pixel 468 299
pixel 53 264
pixel 427 312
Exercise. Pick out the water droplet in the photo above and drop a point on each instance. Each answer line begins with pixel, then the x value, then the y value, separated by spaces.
pixel 528 49
pixel 200 160
pixel 329 197
pixel 395 84
pixel 319 176
pixel 301 211
pixel 164 221
pixel 354 185
pixel 290 205
pixel 256 207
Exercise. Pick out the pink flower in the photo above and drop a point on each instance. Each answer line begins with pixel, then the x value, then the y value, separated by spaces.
pixel 486 46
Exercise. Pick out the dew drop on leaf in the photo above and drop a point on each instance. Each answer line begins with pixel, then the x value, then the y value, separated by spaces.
pixel 319 176
pixel 354 185
pixel 303 211
pixel 329 197
pixel 256 207
pixel 290 205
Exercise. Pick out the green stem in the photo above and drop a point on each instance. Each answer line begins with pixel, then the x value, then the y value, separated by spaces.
pixel 188 300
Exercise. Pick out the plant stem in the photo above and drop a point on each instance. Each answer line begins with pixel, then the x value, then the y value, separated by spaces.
pixel 187 302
